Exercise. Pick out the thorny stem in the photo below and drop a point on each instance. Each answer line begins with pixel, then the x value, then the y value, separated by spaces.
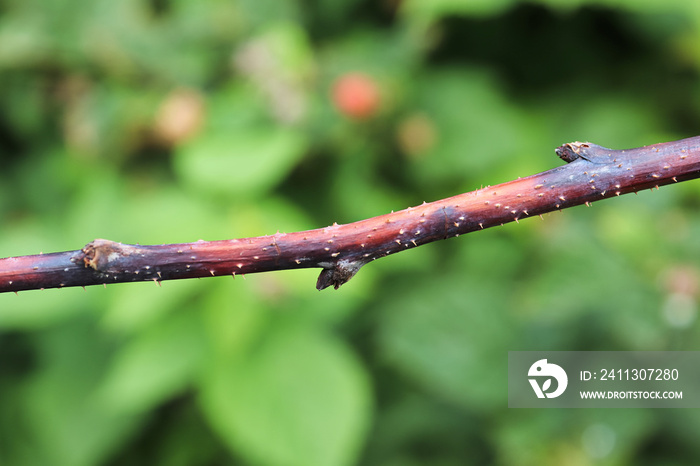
pixel 592 173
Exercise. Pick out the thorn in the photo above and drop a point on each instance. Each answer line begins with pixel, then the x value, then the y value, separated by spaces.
pixel 211 272
pixel 588 204
pixel 16 293
pixel 562 198
pixel 617 193
pixel 481 225
pixel 516 220
pixel 159 275
pixel 233 274
pixel 603 193
pixel 674 179
pixel 540 195
pixel 541 217
pixel 105 285
pixel 84 289
pixel 538 186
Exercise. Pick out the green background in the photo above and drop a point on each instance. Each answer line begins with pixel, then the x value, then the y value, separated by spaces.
pixel 176 120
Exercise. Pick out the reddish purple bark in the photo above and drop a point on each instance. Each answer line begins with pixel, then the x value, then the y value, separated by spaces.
pixel 592 173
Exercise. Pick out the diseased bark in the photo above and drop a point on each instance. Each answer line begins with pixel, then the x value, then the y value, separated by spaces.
pixel 592 173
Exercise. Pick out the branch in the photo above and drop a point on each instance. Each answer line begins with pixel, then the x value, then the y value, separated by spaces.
pixel 592 173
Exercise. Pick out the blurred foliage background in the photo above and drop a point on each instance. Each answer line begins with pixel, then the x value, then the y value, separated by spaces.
pixel 174 120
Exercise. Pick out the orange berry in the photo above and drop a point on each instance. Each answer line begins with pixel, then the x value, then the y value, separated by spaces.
pixel 356 95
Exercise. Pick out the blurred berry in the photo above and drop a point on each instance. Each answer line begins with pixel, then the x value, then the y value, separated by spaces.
pixel 179 117
pixel 356 96
pixel 416 135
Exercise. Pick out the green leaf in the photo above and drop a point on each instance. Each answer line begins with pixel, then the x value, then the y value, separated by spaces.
pixel 477 128
pixel 429 9
pixel 300 398
pixel 453 341
pixel 246 161
pixel 156 364
pixel 65 424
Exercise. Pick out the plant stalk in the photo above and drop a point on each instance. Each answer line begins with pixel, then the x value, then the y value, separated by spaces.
pixel 592 173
